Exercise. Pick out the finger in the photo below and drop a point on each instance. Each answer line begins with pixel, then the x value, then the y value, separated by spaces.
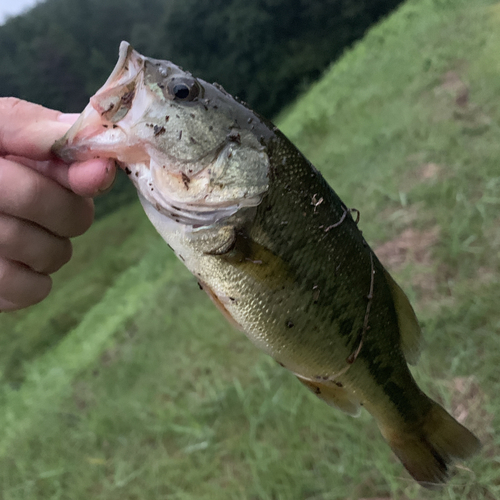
pixel 28 195
pixel 20 286
pixel 27 129
pixel 92 177
pixel 29 244
pixel 86 179
pixel 7 305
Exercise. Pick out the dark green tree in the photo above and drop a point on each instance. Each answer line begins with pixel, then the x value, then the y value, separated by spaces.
pixel 264 51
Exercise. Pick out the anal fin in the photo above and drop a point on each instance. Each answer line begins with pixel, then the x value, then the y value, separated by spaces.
pixel 334 394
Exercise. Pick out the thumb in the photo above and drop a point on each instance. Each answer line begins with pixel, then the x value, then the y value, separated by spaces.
pixel 29 130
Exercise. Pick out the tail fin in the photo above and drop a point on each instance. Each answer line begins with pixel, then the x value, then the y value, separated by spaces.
pixel 428 451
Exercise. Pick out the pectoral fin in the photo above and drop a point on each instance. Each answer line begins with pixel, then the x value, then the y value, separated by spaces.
pixel 335 395
pixel 259 262
pixel 213 242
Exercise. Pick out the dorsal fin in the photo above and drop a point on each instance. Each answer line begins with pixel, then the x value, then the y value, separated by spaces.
pixel 409 329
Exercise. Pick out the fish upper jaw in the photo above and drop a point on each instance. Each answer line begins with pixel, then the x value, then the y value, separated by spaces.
pixel 96 132
pixel 86 140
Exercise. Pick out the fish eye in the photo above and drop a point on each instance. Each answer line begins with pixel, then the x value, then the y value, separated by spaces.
pixel 186 90
pixel 181 91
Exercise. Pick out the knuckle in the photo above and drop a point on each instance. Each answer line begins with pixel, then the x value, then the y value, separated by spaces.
pixel 31 190
pixel 57 258
pixel 67 252
pixel 73 217
pixel 42 290
pixel 22 286
pixel 89 214
pixel 5 172
pixel 10 232
pixel 85 217
pixel 9 103
pixel 5 274
pixel 21 191
pixel 7 107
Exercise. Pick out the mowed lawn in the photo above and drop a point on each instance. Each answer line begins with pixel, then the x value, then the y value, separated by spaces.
pixel 127 384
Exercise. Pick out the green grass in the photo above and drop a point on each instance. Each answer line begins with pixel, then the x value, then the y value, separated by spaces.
pixel 126 383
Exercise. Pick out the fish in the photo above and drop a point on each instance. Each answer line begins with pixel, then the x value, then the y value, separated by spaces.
pixel 272 244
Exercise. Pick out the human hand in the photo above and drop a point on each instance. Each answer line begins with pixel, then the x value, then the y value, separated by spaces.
pixel 43 202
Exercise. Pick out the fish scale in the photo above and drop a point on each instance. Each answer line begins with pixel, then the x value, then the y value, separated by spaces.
pixel 311 348
pixel 274 247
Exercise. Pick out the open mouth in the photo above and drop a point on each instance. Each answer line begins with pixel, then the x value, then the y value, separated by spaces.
pixel 96 132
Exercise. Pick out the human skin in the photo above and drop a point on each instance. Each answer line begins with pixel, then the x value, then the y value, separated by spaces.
pixel 43 201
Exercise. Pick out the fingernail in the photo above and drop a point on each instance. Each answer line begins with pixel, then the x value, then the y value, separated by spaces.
pixel 109 179
pixel 68 117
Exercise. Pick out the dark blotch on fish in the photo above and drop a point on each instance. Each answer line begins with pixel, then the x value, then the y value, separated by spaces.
pixel 186 180
pixel 157 130
pixel 234 137
pixel 128 97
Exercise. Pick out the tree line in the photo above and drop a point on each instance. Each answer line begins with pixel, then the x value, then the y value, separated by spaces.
pixel 264 51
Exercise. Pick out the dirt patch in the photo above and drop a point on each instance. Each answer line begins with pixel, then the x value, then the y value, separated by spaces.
pixel 485 276
pixel 468 402
pixel 83 395
pixel 401 217
pixel 109 356
pixel 451 94
pixel 429 171
pixel 420 173
pixel 411 246
pixel 453 85
pixel 492 235
pixel 452 100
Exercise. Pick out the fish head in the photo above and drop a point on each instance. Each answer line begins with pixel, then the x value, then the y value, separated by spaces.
pixel 193 152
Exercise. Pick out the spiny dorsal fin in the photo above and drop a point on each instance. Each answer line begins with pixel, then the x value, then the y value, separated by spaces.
pixel 409 329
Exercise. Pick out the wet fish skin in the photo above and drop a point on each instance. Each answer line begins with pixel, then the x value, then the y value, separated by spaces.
pixel 274 246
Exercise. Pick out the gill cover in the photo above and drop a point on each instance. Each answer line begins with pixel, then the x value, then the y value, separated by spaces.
pixel 187 145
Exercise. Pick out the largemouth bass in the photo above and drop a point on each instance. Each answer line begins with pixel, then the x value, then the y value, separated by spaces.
pixel 273 245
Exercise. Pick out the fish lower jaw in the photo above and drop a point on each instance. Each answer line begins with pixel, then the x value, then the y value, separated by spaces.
pixel 192 211
pixel 182 212
pixel 189 216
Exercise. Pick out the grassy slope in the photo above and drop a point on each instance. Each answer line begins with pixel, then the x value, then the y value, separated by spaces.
pixel 127 384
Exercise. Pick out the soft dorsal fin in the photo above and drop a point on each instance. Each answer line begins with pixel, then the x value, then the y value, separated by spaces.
pixel 409 329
